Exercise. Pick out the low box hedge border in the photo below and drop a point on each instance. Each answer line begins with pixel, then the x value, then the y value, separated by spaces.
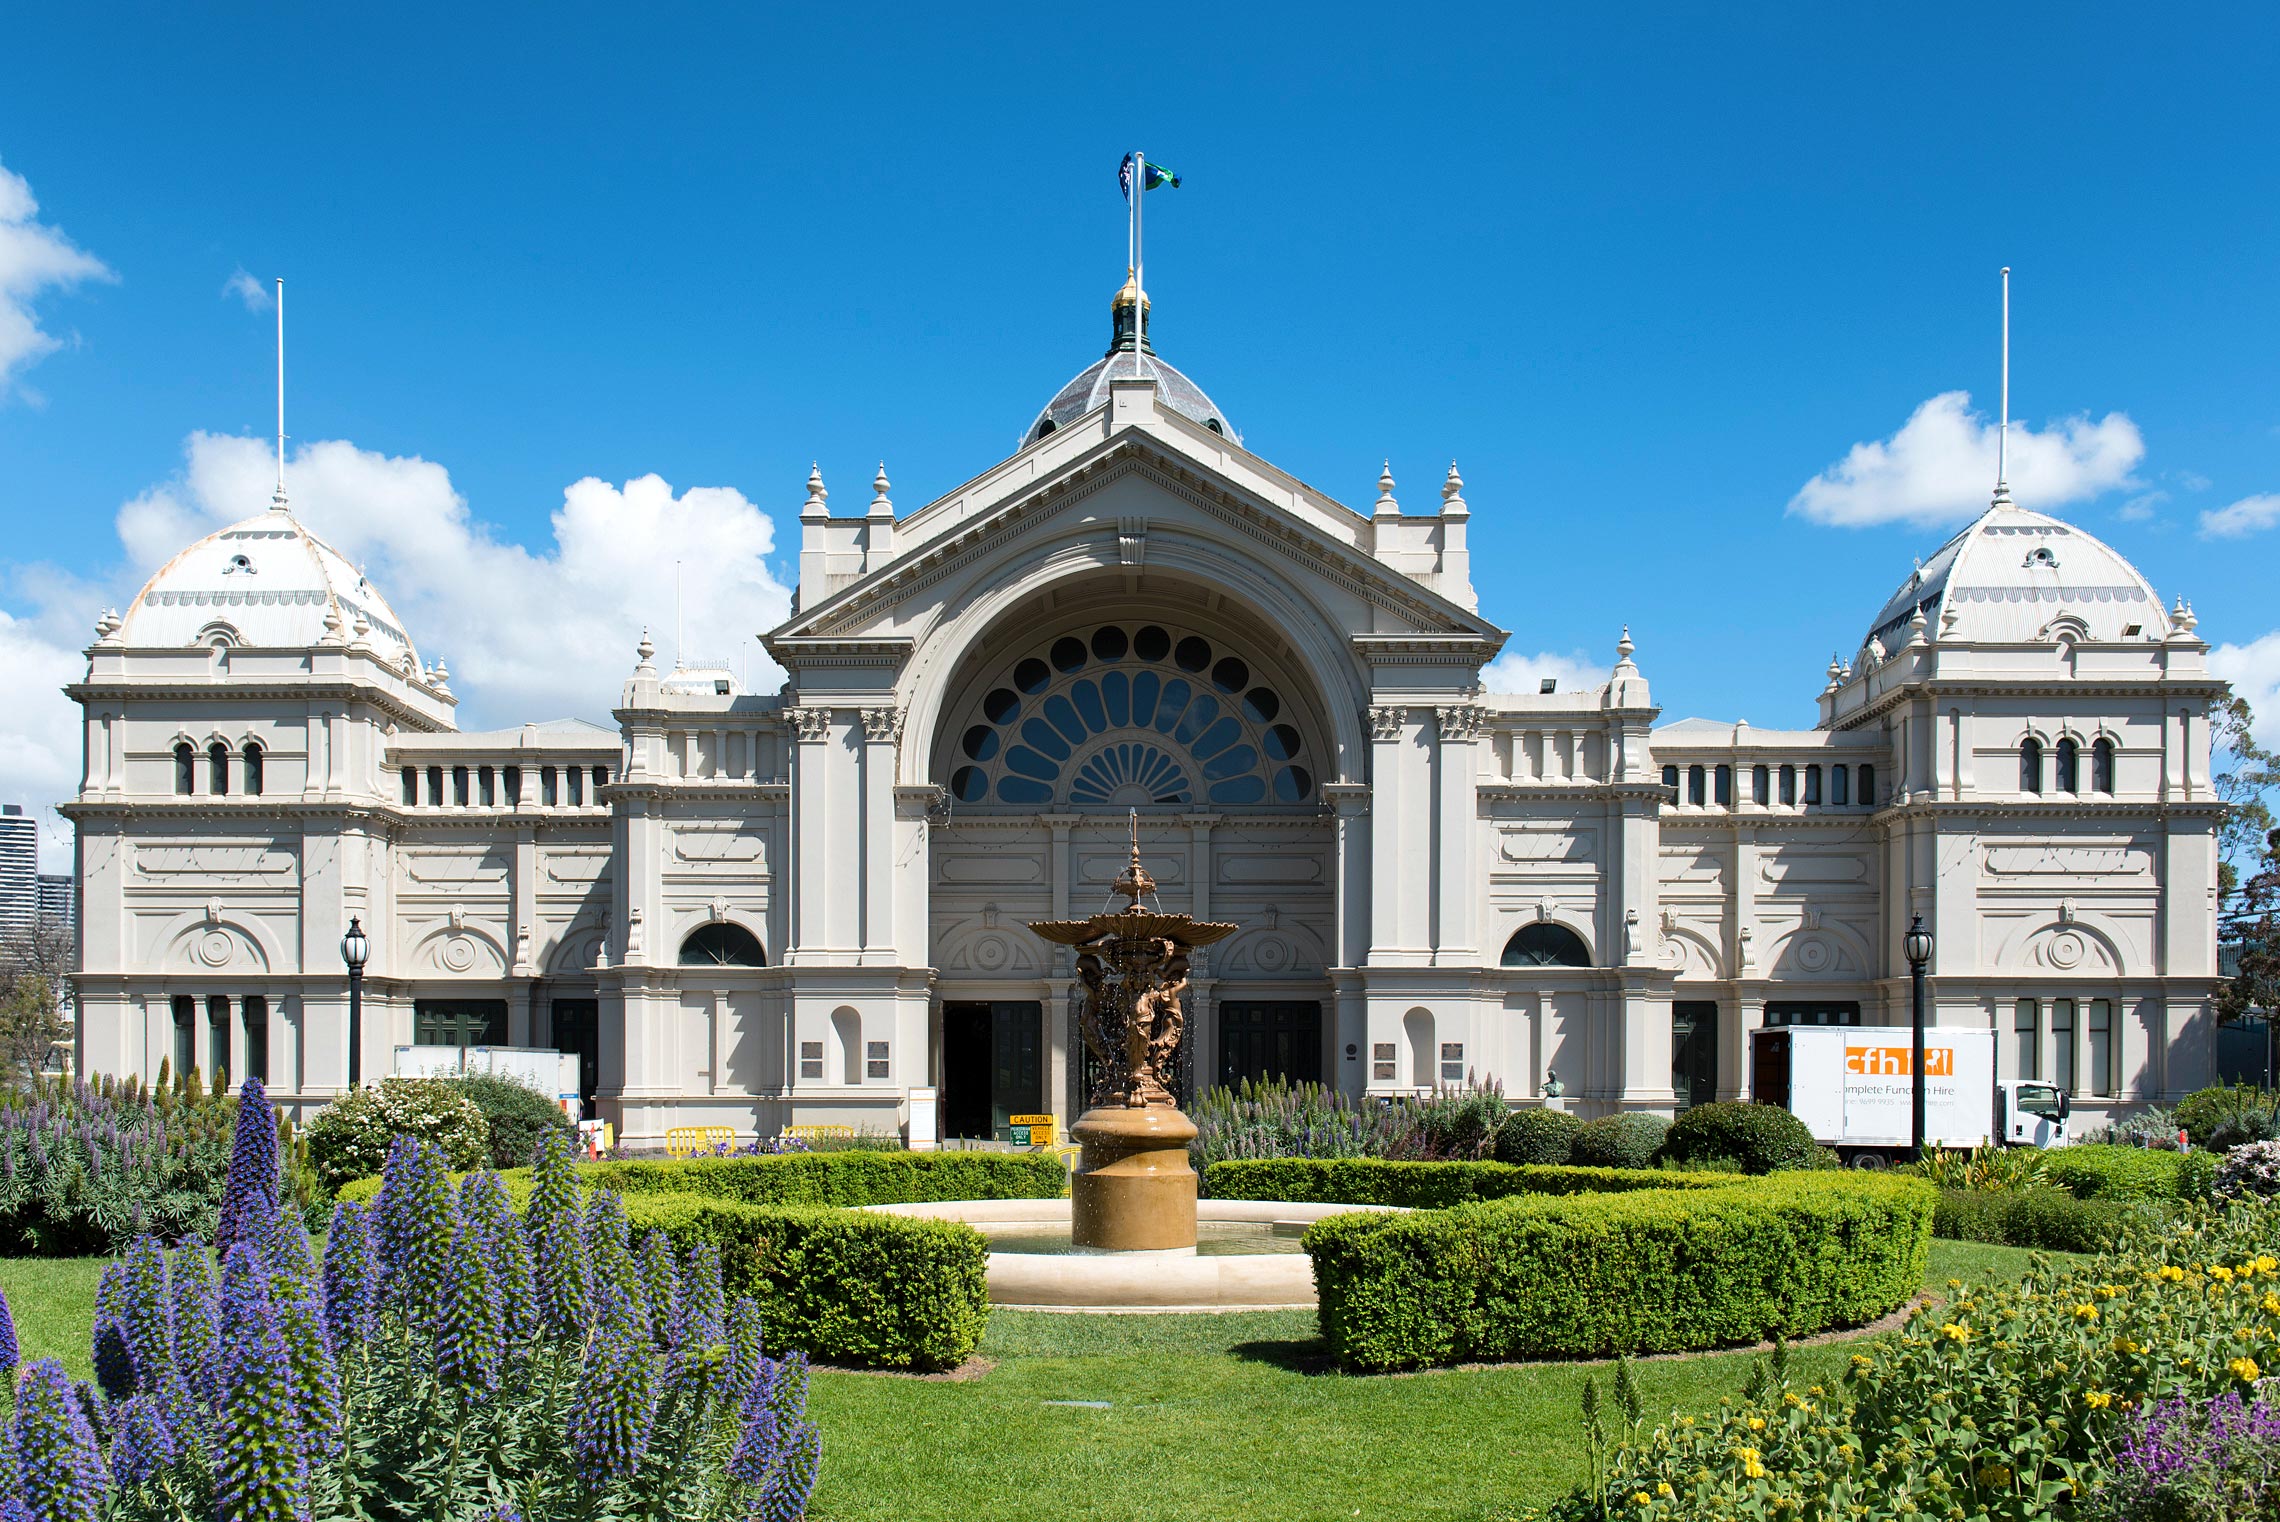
pixel 1683 1266
pixel 846 1285
pixel 1428 1186
pixel 2102 1171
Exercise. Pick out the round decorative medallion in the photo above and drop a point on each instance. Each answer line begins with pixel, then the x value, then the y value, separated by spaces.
pixel 1813 955
pixel 2065 949
pixel 1272 955
pixel 458 953
pixel 992 952
pixel 215 948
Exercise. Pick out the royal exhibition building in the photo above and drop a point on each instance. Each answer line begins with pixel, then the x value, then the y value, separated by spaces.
pixel 809 906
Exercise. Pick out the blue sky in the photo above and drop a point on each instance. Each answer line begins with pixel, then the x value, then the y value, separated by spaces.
pixel 1644 274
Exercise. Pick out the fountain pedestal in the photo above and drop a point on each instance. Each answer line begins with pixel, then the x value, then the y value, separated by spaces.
pixel 1133 1190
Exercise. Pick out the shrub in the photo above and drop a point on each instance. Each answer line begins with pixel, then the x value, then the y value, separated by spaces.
pixel 351 1139
pixel 2000 1403
pixel 1460 1124
pixel 447 1361
pixel 2236 1107
pixel 817 1178
pixel 517 1116
pixel 1538 1134
pixel 2150 1127
pixel 2098 1171
pixel 1426 1186
pixel 2192 1459
pixel 1988 1167
pixel 1761 1138
pixel 2253 1170
pixel 1628 1140
pixel 1276 1118
pixel 2042 1217
pixel 85 1167
pixel 1657 1268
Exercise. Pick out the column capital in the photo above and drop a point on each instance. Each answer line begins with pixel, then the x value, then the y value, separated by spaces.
pixel 1386 721
pixel 882 726
pixel 1460 723
pixel 810 725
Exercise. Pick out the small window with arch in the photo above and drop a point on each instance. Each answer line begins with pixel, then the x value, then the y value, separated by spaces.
pixel 218 769
pixel 249 759
pixel 2030 765
pixel 185 768
pixel 2102 765
pixel 2067 766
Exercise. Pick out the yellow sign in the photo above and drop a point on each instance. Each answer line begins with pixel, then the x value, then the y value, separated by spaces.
pixel 1031 1130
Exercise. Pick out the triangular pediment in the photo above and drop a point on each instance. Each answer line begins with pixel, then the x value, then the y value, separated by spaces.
pixel 1130 471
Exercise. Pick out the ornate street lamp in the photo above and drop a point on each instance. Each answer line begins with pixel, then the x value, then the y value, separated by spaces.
pixel 355 950
pixel 1917 943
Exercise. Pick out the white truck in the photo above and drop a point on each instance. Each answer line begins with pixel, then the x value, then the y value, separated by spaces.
pixel 1852 1086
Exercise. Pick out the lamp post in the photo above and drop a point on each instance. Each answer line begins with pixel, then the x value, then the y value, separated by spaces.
pixel 355 949
pixel 1918 945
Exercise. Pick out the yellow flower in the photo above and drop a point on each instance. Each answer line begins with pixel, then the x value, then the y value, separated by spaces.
pixel 2244 1370
pixel 2128 1345
pixel 1955 1284
pixel 1662 1488
pixel 2098 1400
pixel 1792 1398
pixel 2171 1272
pixel 2266 1264
pixel 1955 1332
pixel 2220 1273
pixel 2086 1313
pixel 2107 1291
pixel 1757 1424
pixel 1641 1498
pixel 1863 1362
pixel 1995 1476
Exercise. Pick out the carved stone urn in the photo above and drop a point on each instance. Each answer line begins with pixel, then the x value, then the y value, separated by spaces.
pixel 1134 1190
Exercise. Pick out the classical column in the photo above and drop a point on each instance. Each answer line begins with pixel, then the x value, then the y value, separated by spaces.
pixel 882 728
pixel 811 834
pixel 1386 844
pixel 1456 784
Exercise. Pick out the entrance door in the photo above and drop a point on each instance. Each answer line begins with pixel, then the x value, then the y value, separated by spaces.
pixel 993 1065
pixel 1694 1053
pixel 577 1029
pixel 1270 1039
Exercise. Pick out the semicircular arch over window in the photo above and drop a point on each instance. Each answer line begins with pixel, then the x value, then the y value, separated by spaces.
pixel 1130 713
pixel 1545 944
pixel 722 945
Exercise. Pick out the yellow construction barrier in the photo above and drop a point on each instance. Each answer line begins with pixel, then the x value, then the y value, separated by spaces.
pixel 688 1141
pixel 820 1133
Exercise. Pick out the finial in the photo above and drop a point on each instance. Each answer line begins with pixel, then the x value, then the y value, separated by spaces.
pixel 2185 619
pixel 1949 615
pixel 1386 506
pixel 1134 882
pixel 1916 628
pixel 1623 645
pixel 361 628
pixel 814 507
pixel 332 625
pixel 646 649
pixel 879 485
pixel 441 678
pixel 1452 494
pixel 108 624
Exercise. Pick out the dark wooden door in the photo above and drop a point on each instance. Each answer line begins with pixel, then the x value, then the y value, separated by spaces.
pixel 993 1064
pixel 1261 1039
pixel 1694 1052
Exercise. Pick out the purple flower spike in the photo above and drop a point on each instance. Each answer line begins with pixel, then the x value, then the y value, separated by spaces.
pixel 260 1473
pixel 114 1361
pixel 468 1332
pixel 351 1279
pixel 559 1262
pixel 609 1428
pixel 59 1467
pixel 142 1444
pixel 10 1352
pixel 145 1316
pixel 784 1498
pixel 249 1199
pixel 197 1327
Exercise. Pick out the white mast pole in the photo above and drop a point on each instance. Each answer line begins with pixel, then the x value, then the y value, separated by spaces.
pixel 280 391
pixel 1139 265
pixel 2003 438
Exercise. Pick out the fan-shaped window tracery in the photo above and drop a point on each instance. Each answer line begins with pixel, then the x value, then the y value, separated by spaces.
pixel 1130 714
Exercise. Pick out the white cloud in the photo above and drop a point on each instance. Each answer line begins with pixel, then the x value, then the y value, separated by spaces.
pixel 528 633
pixel 33 258
pixel 39 737
pixel 1940 467
pixel 2250 515
pixel 252 292
pixel 1522 671
pixel 2254 671
pixel 2142 506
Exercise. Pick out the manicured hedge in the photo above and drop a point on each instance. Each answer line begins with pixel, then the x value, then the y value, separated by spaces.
pixel 1426 1186
pixel 2097 1171
pixel 848 1286
pixel 1537 1134
pixel 1658 1269
pixel 1761 1138
pixel 2042 1217
pixel 1626 1140
pixel 818 1178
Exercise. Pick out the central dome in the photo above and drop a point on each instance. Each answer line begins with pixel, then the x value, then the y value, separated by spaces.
pixel 1130 356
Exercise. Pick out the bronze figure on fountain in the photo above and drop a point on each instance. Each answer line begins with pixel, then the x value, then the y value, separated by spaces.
pixel 1133 1188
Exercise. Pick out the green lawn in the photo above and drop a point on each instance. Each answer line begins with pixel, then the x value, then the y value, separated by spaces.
pixel 1207 1417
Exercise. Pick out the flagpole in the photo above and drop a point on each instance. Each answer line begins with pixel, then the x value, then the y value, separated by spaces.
pixel 1139 265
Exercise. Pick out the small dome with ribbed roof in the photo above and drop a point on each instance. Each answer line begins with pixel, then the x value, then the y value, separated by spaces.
pixel 2016 577
pixel 269 583
pixel 1131 356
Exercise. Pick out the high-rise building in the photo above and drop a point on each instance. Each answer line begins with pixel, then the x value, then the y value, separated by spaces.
pixel 58 904
pixel 19 873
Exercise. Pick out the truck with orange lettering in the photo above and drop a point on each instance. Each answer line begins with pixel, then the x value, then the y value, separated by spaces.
pixel 1854 1087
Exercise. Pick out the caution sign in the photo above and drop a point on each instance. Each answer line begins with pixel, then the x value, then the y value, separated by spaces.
pixel 1031 1130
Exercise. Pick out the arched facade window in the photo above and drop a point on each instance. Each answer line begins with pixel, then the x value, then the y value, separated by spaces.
pixel 2101 765
pixel 2069 766
pixel 2030 765
pixel 722 945
pixel 217 768
pixel 250 759
pixel 1117 715
pixel 185 768
pixel 1545 944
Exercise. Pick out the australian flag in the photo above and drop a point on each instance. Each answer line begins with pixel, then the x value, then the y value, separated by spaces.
pixel 1153 175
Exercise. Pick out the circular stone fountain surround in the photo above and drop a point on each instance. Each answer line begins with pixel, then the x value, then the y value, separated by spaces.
pixel 1176 1279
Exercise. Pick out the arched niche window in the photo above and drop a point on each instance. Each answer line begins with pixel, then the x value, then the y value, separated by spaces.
pixel 185 768
pixel 2069 767
pixel 722 945
pixel 2030 765
pixel 217 768
pixel 250 760
pixel 1544 944
pixel 2101 765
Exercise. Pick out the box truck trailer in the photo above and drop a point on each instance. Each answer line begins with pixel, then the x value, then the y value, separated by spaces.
pixel 1853 1087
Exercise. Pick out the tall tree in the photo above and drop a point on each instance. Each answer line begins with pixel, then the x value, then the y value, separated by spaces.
pixel 2247 778
pixel 35 996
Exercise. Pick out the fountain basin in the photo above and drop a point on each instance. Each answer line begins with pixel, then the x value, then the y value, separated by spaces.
pixel 1268 1276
